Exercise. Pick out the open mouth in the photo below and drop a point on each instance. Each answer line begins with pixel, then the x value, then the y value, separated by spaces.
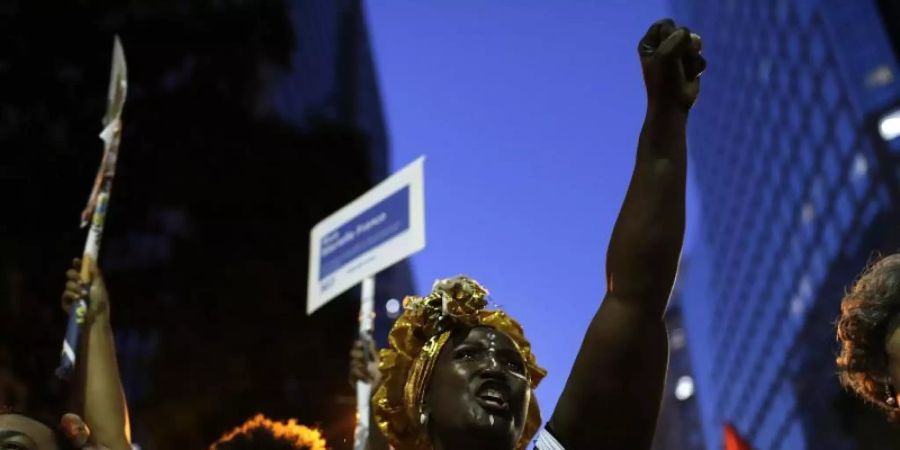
pixel 493 397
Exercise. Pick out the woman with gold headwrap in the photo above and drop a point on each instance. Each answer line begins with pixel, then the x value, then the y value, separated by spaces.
pixel 457 375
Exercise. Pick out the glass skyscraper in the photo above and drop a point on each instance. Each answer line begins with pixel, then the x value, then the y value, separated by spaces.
pixel 797 182
pixel 679 427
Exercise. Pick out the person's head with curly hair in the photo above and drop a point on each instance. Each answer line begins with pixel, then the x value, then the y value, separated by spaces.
pixel 261 433
pixel 869 332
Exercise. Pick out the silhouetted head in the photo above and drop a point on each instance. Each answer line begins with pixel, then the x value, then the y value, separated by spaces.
pixel 869 332
pixel 260 433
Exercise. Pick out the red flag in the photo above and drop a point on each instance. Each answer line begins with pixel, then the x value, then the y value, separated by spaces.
pixel 733 440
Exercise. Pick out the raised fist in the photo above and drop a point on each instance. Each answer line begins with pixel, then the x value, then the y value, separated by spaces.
pixel 95 296
pixel 672 64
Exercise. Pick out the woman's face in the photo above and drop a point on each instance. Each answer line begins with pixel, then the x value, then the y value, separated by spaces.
pixel 18 432
pixel 479 390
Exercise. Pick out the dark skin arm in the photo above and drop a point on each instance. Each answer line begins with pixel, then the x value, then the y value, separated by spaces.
pixel 105 409
pixel 611 399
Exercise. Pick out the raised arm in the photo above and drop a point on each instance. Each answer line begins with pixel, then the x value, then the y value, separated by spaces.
pixel 612 396
pixel 105 410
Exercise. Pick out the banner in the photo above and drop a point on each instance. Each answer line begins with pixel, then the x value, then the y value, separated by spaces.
pixel 373 232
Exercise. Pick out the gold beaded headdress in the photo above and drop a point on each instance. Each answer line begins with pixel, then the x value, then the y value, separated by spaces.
pixel 414 344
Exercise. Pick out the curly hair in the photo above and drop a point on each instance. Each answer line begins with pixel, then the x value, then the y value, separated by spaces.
pixel 261 433
pixel 867 309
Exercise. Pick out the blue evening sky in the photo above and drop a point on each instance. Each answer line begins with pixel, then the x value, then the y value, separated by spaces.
pixel 528 113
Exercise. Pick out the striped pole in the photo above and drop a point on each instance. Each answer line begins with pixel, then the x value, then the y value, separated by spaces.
pixel 95 212
pixel 364 389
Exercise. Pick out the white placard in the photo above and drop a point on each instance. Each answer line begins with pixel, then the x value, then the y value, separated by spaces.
pixel 371 233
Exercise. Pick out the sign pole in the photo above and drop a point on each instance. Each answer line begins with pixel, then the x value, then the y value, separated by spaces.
pixel 364 389
pixel 346 249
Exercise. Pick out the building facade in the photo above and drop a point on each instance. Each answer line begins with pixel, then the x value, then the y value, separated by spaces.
pixel 333 78
pixel 798 188
pixel 679 426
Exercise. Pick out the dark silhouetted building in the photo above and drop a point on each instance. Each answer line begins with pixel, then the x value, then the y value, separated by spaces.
pixel 246 123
